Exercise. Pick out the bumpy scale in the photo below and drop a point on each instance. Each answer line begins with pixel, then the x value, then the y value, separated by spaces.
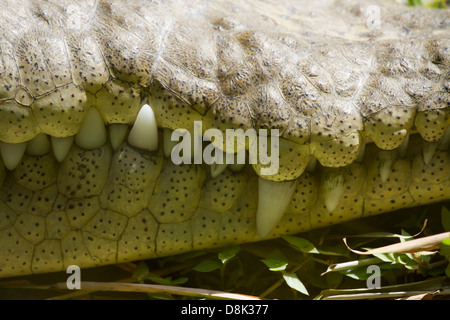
pixel 89 98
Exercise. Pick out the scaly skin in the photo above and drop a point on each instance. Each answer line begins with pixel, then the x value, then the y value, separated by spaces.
pixel 320 75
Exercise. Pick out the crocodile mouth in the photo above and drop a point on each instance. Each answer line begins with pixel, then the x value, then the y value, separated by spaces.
pixel 122 198
pixel 87 175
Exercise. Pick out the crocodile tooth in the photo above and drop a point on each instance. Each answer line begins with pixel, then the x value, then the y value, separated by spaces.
pixel 117 134
pixel 273 200
pixel 12 153
pixel 217 169
pixel 333 187
pixel 403 148
pixel 144 134
pixel 61 146
pixel 428 151
pixel 386 161
pixel 92 133
pixel 39 145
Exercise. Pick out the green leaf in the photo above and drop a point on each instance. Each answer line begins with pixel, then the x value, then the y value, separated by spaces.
pixel 141 272
pixel 412 265
pixel 390 266
pixel 276 261
pixel 445 217
pixel 415 3
pixel 361 273
pixel 403 258
pixel 357 273
pixel 436 4
pixel 334 250
pixel 301 244
pixel 386 257
pixel 445 248
pixel 228 253
pixel 207 266
pixel 405 236
pixel 294 282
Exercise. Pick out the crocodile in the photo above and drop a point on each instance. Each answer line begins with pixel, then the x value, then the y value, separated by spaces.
pixel 352 98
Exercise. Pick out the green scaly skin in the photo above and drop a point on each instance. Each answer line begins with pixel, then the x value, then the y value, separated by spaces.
pixel 327 81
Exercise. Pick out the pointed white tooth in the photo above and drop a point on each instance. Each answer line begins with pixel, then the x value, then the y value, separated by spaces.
pixel 12 153
pixel 92 133
pixel 217 169
pixel 168 143
pixel 117 134
pixel 362 151
pixel 403 147
pixel 144 134
pixel 273 200
pixel 428 151
pixel 39 145
pixel 61 146
pixel 386 161
pixel 333 185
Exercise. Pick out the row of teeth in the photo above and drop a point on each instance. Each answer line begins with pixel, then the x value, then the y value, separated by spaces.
pixel 144 135
pixel 93 134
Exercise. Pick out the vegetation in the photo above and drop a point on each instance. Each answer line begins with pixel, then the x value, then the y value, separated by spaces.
pixel 314 265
